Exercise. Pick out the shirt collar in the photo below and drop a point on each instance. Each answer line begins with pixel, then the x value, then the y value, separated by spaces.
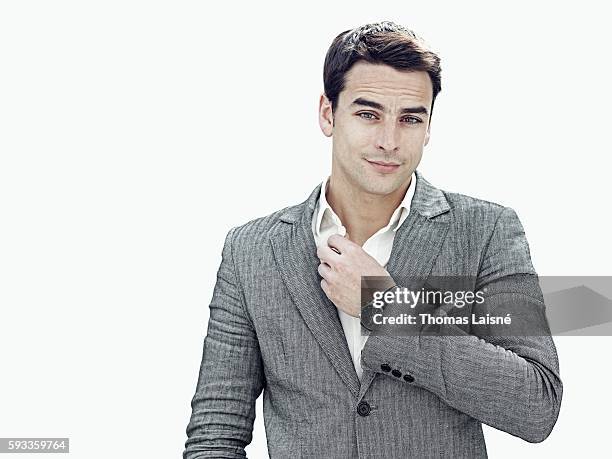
pixel 326 215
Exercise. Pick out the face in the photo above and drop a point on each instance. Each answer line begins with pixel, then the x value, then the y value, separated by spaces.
pixel 379 127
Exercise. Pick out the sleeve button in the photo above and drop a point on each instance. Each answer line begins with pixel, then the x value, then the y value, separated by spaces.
pixel 385 367
pixel 408 378
pixel 396 373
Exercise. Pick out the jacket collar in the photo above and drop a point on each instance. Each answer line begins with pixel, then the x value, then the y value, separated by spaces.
pixel 428 201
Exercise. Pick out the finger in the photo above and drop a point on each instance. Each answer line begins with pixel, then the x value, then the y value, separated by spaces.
pixel 335 241
pixel 327 255
pixel 324 270
pixel 325 287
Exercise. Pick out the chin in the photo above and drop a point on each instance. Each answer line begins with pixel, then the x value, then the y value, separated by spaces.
pixel 381 186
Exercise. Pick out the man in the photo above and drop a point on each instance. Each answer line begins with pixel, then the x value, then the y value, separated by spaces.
pixel 285 313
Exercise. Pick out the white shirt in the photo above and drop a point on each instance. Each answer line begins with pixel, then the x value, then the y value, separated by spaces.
pixel 325 222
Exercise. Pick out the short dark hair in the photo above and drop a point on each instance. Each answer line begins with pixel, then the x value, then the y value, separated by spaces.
pixel 378 43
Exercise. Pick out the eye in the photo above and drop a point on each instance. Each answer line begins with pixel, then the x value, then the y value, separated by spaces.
pixel 367 115
pixel 412 120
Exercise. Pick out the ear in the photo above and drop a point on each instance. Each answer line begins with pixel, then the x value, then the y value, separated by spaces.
pixel 326 117
pixel 427 134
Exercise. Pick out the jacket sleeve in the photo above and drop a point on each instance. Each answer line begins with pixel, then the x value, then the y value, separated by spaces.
pixel 511 383
pixel 231 373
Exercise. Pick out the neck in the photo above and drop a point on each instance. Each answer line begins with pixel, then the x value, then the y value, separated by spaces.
pixel 361 213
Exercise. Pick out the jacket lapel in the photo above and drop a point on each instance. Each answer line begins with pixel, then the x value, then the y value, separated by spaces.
pixel 295 252
pixel 417 243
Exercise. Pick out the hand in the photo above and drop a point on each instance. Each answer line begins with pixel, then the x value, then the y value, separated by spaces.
pixel 342 272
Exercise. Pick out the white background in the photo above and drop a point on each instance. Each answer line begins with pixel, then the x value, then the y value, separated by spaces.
pixel 134 135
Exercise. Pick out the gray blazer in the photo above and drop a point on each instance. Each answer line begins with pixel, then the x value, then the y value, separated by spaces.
pixel 272 329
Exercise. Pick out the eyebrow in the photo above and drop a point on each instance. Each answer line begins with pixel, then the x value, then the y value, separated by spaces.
pixel 369 103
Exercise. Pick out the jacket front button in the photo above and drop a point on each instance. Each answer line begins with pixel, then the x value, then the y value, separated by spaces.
pixel 363 408
pixel 396 373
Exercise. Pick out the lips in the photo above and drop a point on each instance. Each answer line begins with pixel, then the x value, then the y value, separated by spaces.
pixel 383 167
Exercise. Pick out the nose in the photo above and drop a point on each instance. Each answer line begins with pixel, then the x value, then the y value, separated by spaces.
pixel 387 139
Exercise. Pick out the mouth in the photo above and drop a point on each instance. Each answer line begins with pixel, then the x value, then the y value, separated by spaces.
pixel 383 167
